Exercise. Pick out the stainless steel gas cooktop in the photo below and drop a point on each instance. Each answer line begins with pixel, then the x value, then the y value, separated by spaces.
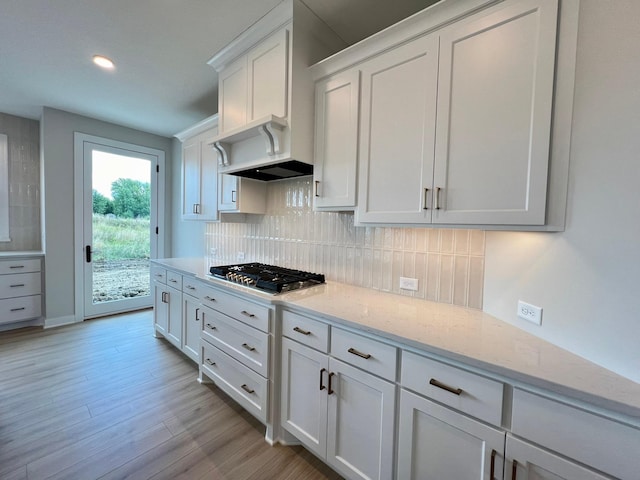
pixel 269 278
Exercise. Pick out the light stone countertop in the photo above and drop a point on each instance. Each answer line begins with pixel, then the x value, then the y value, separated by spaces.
pixel 21 254
pixel 460 334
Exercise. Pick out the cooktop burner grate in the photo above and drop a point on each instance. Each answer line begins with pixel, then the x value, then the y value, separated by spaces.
pixel 267 277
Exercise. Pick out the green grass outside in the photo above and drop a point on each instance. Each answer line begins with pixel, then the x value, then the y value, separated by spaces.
pixel 116 238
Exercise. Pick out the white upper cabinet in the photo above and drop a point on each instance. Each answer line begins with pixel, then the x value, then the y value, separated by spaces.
pixel 397 133
pixel 336 141
pixel 199 172
pixel 495 91
pixel 464 117
pixel 232 95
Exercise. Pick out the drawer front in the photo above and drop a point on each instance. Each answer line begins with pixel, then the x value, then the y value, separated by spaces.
pixel 375 357
pixel 245 344
pixel 254 315
pixel 158 274
pixel 22 308
pixel 20 266
pixel 244 385
pixel 467 392
pixel 598 442
pixel 19 285
pixel 192 287
pixel 174 279
pixel 304 330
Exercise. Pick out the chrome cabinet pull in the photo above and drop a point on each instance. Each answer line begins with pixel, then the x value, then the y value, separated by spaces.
pixel 247 314
pixel 17 309
pixel 211 299
pixel 436 383
pixel 197 312
pixel 330 390
pixel 16 285
pixel 436 200
pixel 208 360
pixel 247 389
pixel 16 266
pixel 353 351
pixel 164 297
pixel 322 370
pixel 425 206
pixel 233 196
pixel 303 332
pixel 493 465
pixel 248 347
pixel 514 470
pixel 315 188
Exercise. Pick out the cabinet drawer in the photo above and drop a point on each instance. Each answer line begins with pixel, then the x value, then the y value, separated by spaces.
pixel 244 385
pixel 192 287
pixel 174 279
pixel 158 274
pixel 19 285
pixel 601 443
pixel 304 330
pixel 19 266
pixel 370 355
pixel 245 344
pixel 467 392
pixel 252 314
pixel 22 308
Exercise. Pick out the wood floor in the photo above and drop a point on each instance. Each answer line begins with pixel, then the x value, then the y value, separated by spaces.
pixel 105 399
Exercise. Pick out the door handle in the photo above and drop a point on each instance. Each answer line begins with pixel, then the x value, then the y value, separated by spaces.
pixel 87 253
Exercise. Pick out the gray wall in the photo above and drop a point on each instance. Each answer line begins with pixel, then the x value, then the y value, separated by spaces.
pixel 187 239
pixel 56 139
pixel 587 278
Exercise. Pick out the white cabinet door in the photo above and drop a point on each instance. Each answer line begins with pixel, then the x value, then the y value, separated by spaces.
pixel 495 91
pixel 360 425
pixel 174 318
pixel 160 308
pixel 232 95
pixel 228 193
pixel 304 395
pixel 397 132
pixel 208 182
pixel 528 462
pixel 190 178
pixel 192 327
pixel 199 178
pixel 336 141
pixel 436 442
pixel 267 77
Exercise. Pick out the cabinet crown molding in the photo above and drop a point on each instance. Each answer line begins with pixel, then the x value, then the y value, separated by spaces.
pixel 202 126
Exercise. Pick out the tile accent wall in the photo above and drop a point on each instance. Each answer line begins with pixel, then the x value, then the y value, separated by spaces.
pixel 24 182
pixel 448 263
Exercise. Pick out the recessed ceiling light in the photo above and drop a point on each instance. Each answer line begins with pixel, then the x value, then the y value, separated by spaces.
pixel 103 62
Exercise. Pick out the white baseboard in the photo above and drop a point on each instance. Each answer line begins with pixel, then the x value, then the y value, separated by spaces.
pixel 59 321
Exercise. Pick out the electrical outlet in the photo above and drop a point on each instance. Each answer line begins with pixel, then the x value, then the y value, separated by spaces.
pixel 407 283
pixel 240 256
pixel 529 312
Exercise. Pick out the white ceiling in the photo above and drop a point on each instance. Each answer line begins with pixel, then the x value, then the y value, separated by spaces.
pixel 161 83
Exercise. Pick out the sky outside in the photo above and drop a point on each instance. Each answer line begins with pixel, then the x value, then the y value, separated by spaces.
pixel 108 167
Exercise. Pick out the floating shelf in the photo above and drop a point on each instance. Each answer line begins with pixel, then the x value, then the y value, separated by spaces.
pixel 270 127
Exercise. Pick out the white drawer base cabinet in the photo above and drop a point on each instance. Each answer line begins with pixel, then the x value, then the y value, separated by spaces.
pixel 20 292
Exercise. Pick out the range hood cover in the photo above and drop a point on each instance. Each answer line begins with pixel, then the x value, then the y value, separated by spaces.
pixel 278 171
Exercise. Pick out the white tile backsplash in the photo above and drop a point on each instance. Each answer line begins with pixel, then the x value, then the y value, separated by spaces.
pixel 448 263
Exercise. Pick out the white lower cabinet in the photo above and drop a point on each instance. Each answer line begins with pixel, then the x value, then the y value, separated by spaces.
pixel 526 461
pixel 436 442
pixel 191 327
pixel 20 290
pixel 168 313
pixel 343 414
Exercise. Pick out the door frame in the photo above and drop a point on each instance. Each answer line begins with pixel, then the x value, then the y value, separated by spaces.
pixel 80 140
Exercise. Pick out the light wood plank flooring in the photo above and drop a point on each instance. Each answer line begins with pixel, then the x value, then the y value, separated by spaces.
pixel 105 399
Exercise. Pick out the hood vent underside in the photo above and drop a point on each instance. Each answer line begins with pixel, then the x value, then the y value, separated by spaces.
pixel 278 171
